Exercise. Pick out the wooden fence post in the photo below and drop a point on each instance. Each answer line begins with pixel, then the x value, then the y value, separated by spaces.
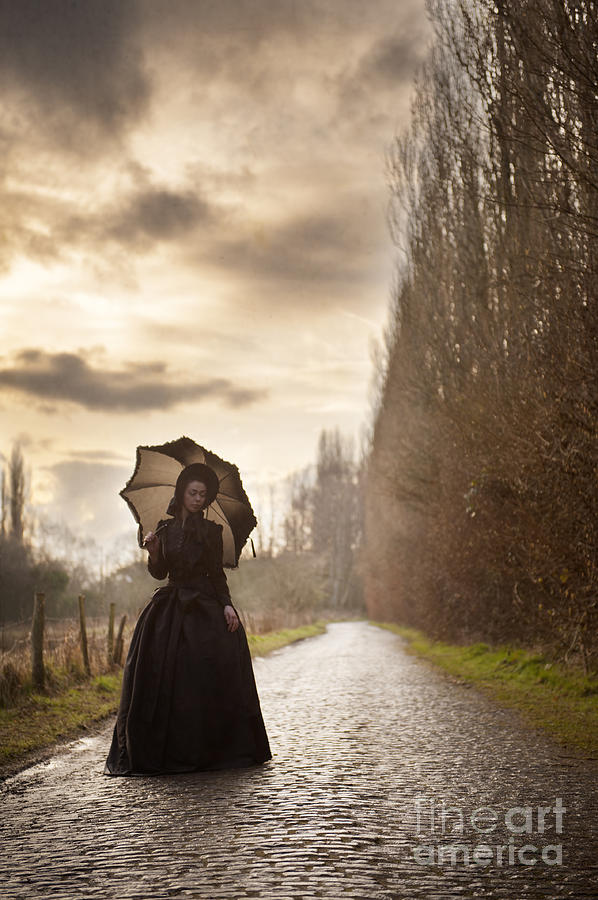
pixel 83 631
pixel 118 647
pixel 37 641
pixel 110 648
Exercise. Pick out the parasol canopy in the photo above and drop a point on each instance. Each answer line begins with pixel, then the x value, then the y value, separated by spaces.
pixel 151 487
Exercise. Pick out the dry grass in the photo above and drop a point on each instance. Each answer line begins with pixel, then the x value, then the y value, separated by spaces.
pixel 63 658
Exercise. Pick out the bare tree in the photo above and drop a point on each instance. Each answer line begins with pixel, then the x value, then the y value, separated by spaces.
pixel 482 503
pixel 298 520
pixel 3 504
pixel 16 474
pixel 337 515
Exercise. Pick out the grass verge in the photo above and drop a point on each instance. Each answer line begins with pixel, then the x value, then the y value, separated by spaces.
pixel 559 700
pixel 260 644
pixel 38 721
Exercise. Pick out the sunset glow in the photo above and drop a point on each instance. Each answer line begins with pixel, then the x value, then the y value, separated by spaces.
pixel 194 235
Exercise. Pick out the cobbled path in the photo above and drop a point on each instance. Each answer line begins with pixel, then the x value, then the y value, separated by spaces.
pixel 363 737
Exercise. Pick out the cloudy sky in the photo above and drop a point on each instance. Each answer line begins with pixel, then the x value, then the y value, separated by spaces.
pixel 193 232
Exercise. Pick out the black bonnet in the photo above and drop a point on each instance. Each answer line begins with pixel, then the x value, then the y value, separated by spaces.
pixel 194 472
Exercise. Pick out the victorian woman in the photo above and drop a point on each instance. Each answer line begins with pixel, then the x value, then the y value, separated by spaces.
pixel 189 699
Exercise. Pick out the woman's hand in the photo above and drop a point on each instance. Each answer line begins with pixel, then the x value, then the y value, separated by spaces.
pixel 152 544
pixel 232 619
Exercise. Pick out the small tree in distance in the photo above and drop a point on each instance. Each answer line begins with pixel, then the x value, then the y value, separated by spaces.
pixel 16 475
pixel 325 516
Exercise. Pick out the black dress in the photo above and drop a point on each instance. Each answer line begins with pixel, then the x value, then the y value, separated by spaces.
pixel 189 699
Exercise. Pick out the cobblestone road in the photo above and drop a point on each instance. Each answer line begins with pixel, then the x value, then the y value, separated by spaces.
pixel 363 737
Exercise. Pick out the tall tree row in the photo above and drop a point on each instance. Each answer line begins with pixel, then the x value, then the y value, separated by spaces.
pixel 325 516
pixel 482 490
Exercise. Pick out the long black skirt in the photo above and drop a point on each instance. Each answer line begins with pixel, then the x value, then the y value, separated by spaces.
pixel 189 699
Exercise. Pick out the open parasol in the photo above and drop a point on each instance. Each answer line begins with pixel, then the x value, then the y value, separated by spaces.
pixel 151 487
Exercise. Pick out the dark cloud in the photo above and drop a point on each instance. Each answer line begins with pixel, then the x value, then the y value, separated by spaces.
pixel 330 245
pixel 156 214
pixel 30 225
pixel 47 230
pixel 395 58
pixel 67 377
pixel 322 247
pixel 253 22
pixel 76 62
pixel 370 89
pixel 263 47
pixel 85 59
pixel 250 21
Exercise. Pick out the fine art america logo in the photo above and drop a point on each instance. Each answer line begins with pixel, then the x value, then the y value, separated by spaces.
pixel 509 845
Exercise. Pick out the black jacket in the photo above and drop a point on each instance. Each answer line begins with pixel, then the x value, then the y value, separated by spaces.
pixel 188 552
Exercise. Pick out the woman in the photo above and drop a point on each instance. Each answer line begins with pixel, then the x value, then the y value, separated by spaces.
pixel 188 699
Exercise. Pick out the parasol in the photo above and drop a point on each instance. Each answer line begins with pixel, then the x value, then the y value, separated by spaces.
pixel 151 487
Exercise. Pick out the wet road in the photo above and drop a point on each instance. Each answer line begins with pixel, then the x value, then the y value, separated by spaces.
pixel 379 767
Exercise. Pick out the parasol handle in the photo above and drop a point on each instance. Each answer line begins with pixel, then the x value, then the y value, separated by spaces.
pixel 158 530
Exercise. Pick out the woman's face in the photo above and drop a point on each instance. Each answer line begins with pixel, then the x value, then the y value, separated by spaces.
pixel 195 496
